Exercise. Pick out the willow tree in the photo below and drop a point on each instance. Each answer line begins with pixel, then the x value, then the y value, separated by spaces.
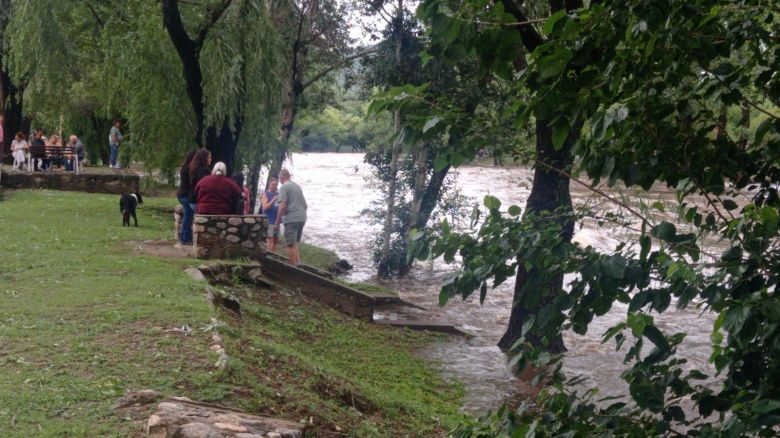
pixel 118 60
pixel 10 91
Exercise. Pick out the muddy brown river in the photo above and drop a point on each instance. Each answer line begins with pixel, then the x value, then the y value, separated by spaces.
pixel 336 191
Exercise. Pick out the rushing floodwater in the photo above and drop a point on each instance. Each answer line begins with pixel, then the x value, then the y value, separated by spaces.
pixel 336 192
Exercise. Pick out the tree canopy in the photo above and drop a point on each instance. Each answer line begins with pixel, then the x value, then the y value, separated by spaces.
pixel 640 90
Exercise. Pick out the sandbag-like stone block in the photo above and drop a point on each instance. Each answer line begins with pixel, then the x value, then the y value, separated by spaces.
pixel 229 236
pixel 181 417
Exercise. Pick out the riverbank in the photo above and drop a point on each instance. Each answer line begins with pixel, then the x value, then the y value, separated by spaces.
pixel 83 320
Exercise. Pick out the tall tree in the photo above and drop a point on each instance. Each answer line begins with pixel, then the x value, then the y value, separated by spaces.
pixel 318 43
pixel 11 93
pixel 167 109
pixel 222 137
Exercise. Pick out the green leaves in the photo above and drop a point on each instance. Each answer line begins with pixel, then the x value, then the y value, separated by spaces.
pixel 665 231
pixel 554 18
pixel 491 202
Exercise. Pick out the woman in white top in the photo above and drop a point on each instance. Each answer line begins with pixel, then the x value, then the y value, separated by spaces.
pixel 19 148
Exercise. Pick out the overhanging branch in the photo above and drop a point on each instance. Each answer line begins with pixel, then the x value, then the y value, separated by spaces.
pixel 341 63
pixel 211 19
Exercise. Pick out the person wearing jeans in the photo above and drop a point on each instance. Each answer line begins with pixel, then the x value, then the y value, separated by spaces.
pixel 114 140
pixel 183 195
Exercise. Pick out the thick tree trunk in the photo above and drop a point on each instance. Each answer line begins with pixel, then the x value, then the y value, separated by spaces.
pixel 14 119
pixel 420 180
pixel 550 199
pixel 223 142
pixel 431 197
pixel 549 195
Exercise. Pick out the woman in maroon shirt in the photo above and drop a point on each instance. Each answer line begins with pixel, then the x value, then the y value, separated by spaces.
pixel 216 193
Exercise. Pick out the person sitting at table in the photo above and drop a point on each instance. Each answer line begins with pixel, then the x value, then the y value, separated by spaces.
pixel 19 149
pixel 55 156
pixel 38 152
pixel 78 149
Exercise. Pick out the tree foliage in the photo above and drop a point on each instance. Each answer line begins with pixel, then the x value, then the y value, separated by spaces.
pixel 90 61
pixel 641 85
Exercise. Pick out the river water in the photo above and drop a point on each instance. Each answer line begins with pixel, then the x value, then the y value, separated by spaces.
pixel 336 190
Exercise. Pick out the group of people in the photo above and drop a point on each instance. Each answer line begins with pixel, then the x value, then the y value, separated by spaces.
pixel 206 189
pixel 41 152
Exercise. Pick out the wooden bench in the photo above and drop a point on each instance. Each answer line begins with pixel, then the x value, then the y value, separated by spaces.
pixel 57 152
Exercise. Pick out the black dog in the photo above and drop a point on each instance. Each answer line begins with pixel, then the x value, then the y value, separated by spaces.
pixel 127 205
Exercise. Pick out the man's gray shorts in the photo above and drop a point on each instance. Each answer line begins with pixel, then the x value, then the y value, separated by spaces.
pixel 293 232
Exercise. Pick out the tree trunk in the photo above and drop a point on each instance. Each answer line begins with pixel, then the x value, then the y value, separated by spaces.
pixel 291 92
pixel 745 132
pixel 14 119
pixel 254 185
pixel 431 197
pixel 392 186
pixel 722 121
pixel 223 143
pixel 288 118
pixel 549 198
pixel 420 180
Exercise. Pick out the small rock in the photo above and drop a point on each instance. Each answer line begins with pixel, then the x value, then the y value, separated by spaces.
pixel 221 363
pixel 216 338
pixel 227 418
pixel 198 430
pixel 212 230
pixel 195 274
pixel 231 427
pixel 255 273
pixel 142 397
pixel 232 238
pixel 248 244
pixel 216 347
pixel 221 225
pixel 235 221
pixel 256 228
pixel 201 219
pixel 154 420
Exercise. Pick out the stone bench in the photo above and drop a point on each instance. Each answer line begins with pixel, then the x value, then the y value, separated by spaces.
pixel 229 236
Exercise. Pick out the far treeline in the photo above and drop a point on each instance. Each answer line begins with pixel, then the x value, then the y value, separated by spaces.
pixel 608 95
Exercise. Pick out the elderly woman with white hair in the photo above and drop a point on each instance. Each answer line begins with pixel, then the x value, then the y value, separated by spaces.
pixel 216 193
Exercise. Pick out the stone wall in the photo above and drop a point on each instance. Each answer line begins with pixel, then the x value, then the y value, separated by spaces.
pixel 229 236
pixel 115 183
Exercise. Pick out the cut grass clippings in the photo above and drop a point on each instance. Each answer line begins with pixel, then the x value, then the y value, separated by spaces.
pixel 83 320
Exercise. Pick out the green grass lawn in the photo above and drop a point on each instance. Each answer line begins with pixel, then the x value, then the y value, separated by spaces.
pixel 83 319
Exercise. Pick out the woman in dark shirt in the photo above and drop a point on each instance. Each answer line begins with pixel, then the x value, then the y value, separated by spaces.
pixel 199 168
pixel 183 195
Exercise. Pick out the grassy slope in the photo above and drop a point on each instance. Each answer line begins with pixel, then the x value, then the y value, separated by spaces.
pixel 83 319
